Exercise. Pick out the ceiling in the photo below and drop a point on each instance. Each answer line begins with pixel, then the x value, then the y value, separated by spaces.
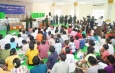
pixel 64 1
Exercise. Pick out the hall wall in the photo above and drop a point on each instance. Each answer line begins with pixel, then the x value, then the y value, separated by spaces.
pixel 28 7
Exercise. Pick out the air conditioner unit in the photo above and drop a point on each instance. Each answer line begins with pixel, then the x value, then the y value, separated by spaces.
pixel 98 4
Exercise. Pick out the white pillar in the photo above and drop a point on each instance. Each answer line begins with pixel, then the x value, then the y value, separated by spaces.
pixel 75 8
pixel 53 9
pixel 110 2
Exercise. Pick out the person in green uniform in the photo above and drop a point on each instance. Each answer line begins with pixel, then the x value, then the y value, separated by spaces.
pixel 27 22
pixel 30 20
pixel 66 19
pixel 70 19
pixel 46 20
pixel 62 19
pixel 56 19
pixel 74 19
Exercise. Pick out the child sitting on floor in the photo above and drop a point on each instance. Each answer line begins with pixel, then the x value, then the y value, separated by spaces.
pixel 9 60
pixel 31 53
pixel 12 43
pixel 18 68
pixel 52 59
pixel 72 45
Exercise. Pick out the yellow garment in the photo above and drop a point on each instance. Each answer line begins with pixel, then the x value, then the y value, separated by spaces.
pixel 30 54
pixel 9 61
pixel 86 58
pixel 2 71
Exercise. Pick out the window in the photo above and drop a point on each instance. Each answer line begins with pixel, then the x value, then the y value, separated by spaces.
pixel 58 12
pixel 98 13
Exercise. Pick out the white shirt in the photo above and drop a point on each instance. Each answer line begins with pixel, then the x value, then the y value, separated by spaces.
pixel 19 41
pixel 64 37
pixel 58 47
pixel 51 18
pixel 97 46
pixel 92 32
pixel 15 37
pixel 93 69
pixel 21 69
pixel 8 36
pixel 70 61
pixel 100 22
pixel 111 49
pixel 34 35
pixel 25 47
pixel 2 43
pixel 36 31
pixel 24 36
pixel 102 42
pixel 51 41
pixel 72 46
pixel 60 67
pixel 7 21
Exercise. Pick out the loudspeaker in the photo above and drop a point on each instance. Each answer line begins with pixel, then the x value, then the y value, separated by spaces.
pixel 49 13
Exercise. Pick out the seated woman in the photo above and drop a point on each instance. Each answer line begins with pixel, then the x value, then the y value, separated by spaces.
pixel 9 60
pixel 6 52
pixel 31 53
pixel 104 52
pixel 18 68
pixel 83 63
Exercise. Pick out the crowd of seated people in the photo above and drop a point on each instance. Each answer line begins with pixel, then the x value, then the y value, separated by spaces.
pixel 60 46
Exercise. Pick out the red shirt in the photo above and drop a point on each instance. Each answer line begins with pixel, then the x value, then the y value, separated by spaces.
pixel 69 30
pixel 79 35
pixel 105 54
pixel 43 49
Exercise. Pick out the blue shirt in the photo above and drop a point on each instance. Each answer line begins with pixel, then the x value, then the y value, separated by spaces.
pixel 41 68
pixel 52 59
pixel 13 45
pixel 45 34
pixel 82 43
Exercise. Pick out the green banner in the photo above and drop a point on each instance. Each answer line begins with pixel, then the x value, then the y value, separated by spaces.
pixel 2 15
pixel 37 15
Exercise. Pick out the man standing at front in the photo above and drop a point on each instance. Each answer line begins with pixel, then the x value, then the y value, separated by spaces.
pixel 7 25
pixel 46 20
pixel 99 26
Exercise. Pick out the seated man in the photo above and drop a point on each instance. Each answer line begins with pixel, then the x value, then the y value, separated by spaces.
pixel 94 68
pixel 39 68
pixel 62 66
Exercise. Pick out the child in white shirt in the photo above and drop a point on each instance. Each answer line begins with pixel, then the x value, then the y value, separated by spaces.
pixel 72 45
pixel 58 46
pixel 102 41
pixel 52 41
pixel 70 60
pixel 19 41
pixel 25 46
